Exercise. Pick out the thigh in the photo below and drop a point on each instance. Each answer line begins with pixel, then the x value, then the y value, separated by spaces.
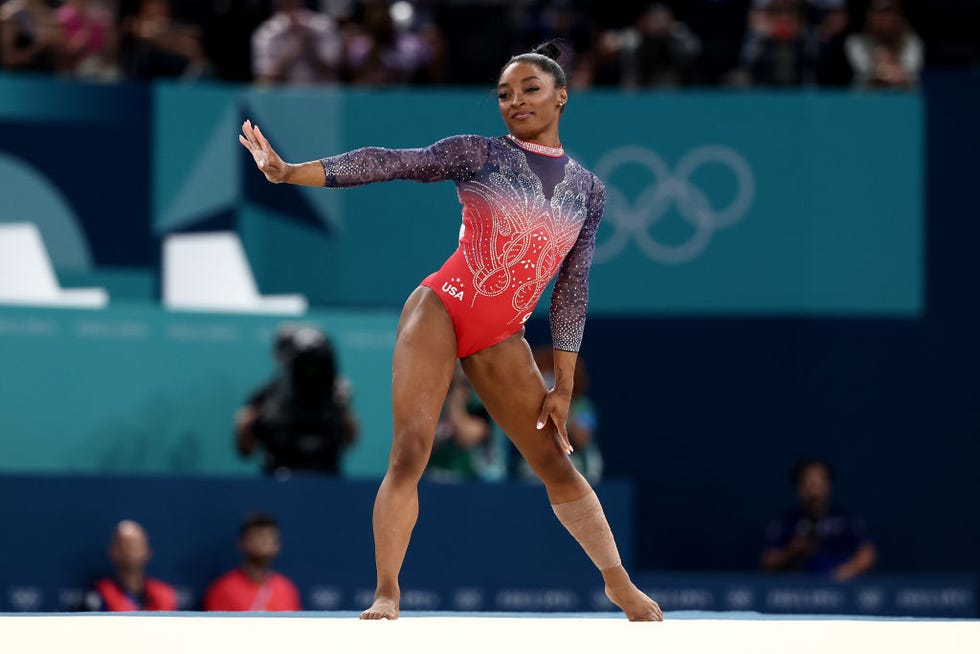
pixel 513 391
pixel 422 367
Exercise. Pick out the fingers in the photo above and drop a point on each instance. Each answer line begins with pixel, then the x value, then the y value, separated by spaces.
pixel 561 432
pixel 543 416
pixel 260 138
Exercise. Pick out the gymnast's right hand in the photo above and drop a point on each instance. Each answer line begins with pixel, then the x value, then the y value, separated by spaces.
pixel 266 159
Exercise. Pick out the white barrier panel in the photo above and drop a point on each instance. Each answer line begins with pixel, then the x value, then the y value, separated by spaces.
pixel 145 634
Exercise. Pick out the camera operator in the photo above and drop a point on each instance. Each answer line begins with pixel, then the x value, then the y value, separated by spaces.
pixel 302 418
pixel 818 536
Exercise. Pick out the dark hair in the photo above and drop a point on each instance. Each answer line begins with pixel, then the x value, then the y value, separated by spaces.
pixel 800 466
pixel 256 521
pixel 545 57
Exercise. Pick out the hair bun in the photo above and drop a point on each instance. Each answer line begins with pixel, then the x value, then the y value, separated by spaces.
pixel 550 49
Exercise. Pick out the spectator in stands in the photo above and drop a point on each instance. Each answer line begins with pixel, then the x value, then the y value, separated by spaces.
pixel 583 419
pixel 558 19
pixel 88 34
pixel 227 36
pixel 775 47
pixel 254 586
pixel 378 51
pixel 296 46
pixel 153 44
pixel 129 589
pixel 887 53
pixel 721 26
pixel 462 449
pixel 29 37
pixel 659 50
pixel 827 25
pixel 302 418
pixel 818 536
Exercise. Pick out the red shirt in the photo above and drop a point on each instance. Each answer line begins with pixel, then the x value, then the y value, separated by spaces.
pixel 157 596
pixel 236 592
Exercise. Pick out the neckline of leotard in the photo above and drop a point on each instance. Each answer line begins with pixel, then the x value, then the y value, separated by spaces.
pixel 537 148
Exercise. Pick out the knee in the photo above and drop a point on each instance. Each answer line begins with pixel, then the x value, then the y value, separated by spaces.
pixel 410 452
pixel 553 468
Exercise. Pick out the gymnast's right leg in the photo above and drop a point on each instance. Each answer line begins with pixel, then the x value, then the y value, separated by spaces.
pixel 425 356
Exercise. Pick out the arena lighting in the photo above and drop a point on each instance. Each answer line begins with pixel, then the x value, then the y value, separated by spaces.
pixel 402 14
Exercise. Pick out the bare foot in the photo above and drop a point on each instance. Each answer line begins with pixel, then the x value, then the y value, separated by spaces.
pixel 384 608
pixel 634 603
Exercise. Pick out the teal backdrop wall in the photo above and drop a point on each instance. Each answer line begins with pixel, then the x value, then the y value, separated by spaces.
pixel 802 203
pixel 136 389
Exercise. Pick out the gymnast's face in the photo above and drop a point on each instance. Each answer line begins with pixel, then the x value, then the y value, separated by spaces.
pixel 530 101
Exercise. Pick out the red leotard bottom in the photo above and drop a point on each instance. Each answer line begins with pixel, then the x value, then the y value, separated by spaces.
pixel 479 324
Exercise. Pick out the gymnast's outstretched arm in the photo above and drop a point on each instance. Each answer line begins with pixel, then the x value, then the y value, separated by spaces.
pixel 456 157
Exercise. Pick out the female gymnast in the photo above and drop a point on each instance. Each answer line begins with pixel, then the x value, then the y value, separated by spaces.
pixel 529 212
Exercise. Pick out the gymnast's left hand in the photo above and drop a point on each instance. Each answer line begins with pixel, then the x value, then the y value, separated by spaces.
pixel 266 159
pixel 555 408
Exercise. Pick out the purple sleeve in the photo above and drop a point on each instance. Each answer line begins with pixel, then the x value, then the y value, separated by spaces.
pixel 570 299
pixel 456 158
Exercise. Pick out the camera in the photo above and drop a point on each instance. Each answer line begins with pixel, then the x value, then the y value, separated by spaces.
pixel 302 413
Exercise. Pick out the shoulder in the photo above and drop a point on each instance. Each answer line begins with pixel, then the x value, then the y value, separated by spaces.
pixel 468 152
pixel 226 580
pixel 464 141
pixel 271 28
pixel 157 586
pixel 163 594
pixel 283 581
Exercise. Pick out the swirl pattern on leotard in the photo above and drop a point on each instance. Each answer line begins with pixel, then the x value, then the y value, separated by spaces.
pixel 514 238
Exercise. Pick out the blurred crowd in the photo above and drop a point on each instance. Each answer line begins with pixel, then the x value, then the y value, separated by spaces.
pixel 633 44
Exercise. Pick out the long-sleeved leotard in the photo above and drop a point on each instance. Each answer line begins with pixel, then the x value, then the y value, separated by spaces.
pixel 526 217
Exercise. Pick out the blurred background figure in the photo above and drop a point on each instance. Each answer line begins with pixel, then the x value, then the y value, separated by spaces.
pixel 887 53
pixel 129 589
pixel 583 420
pixel 818 536
pixel 384 47
pixel 775 46
pixel 153 44
pixel 296 46
pixel 254 586
pixel 88 34
pixel 659 50
pixel 301 419
pixel 827 25
pixel 30 40
pixel 463 447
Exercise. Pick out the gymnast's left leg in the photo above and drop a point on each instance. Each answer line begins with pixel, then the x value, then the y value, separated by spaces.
pixel 513 391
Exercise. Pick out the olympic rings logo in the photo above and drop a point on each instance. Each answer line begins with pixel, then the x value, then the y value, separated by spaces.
pixel 633 220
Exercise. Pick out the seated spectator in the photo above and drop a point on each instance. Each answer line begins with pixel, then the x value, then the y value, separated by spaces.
pixel 818 536
pixel 29 37
pixel 774 53
pixel 88 37
pixel 583 419
pixel 887 53
pixel 827 25
pixel 660 50
pixel 302 418
pixel 377 51
pixel 153 44
pixel 129 589
pixel 462 447
pixel 296 46
pixel 254 586
pixel 720 26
